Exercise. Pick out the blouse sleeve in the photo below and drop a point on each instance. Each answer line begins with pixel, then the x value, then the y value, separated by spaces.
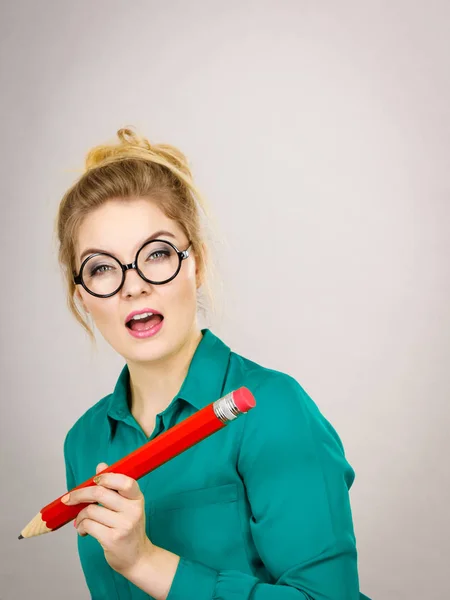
pixel 297 480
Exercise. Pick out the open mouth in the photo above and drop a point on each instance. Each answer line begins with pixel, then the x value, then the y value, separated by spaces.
pixel 144 321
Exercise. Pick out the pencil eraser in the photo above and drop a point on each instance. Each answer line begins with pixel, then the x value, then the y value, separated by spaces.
pixel 244 399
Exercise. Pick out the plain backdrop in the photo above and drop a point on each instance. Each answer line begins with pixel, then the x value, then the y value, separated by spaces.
pixel 319 133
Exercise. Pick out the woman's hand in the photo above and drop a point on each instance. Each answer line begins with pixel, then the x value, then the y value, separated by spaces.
pixel 119 524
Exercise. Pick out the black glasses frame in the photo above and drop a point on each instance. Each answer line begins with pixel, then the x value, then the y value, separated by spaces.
pixel 182 255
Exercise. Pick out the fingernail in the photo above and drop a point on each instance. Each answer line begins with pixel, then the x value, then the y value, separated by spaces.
pixel 97 479
pixel 75 523
pixel 65 498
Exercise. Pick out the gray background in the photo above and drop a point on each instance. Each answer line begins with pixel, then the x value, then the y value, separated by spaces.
pixel 319 132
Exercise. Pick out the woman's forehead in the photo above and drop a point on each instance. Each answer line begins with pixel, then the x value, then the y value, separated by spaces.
pixel 119 225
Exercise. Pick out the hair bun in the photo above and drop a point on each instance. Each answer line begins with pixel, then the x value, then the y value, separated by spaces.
pixel 132 145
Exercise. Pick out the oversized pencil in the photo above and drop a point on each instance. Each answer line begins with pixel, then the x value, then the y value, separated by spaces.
pixel 146 458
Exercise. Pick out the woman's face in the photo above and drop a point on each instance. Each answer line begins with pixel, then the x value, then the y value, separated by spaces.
pixel 121 228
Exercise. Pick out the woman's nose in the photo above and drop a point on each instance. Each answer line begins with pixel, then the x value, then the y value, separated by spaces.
pixel 134 284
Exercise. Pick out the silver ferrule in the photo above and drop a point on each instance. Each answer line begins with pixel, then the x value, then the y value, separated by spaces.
pixel 225 409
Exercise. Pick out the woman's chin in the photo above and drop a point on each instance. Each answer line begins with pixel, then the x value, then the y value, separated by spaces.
pixel 136 346
pixel 146 349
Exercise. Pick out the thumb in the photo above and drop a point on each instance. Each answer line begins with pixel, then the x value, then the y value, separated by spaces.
pixel 100 467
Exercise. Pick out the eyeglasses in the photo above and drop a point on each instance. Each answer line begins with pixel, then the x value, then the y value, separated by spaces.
pixel 157 262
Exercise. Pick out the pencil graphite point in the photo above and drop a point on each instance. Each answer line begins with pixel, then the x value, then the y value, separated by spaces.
pixel 20 537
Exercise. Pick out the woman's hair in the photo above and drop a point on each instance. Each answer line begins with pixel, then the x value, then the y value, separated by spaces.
pixel 133 168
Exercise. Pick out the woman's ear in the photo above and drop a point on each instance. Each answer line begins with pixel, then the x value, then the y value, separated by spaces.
pixel 200 266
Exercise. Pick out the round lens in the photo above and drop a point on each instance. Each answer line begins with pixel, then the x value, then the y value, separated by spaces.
pixel 158 261
pixel 102 274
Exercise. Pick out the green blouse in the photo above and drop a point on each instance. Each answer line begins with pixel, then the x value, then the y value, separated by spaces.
pixel 259 510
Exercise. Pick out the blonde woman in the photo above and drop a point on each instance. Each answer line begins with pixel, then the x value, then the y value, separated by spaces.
pixel 259 510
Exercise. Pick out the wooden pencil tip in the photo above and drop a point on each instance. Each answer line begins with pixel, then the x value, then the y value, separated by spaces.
pixel 20 537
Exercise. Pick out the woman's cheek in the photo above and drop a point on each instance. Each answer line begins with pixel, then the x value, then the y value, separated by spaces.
pixel 110 327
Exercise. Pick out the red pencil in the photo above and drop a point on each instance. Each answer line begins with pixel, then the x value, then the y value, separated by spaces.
pixel 151 455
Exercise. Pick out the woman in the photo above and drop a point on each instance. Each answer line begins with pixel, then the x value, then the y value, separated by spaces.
pixel 258 510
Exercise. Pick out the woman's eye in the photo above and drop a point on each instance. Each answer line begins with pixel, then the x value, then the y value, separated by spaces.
pixel 100 269
pixel 158 254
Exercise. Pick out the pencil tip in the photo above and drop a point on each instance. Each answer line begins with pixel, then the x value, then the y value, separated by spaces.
pixel 20 537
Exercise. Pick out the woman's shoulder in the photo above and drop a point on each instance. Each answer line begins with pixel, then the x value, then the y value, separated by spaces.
pixel 268 385
pixel 280 399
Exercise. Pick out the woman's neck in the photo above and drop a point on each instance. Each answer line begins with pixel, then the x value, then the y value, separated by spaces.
pixel 153 385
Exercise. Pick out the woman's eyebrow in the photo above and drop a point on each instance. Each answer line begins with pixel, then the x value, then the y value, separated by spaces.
pixel 152 237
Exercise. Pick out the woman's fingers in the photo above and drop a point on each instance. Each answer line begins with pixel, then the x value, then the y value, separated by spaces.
pixel 99 514
pixel 126 486
pixel 97 493
pixel 101 533
pixel 113 492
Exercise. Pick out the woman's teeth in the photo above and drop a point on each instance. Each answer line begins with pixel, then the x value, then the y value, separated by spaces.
pixel 142 316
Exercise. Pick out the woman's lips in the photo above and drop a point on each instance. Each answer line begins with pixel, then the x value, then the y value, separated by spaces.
pixel 145 333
